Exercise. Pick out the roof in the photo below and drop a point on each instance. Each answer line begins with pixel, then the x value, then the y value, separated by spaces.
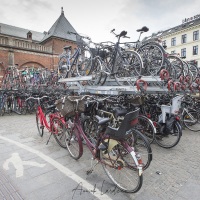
pixel 178 28
pixel 20 32
pixel 60 29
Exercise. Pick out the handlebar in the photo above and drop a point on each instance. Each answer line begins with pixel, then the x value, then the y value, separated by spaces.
pixel 122 34
pixel 37 98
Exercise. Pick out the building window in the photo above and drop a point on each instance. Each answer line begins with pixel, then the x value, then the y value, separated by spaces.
pixel 195 50
pixel 173 52
pixel 173 42
pixel 195 35
pixel 183 52
pixel 164 44
pixel 183 39
pixel 29 35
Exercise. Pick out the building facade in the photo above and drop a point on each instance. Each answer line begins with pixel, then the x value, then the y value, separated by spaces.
pixel 26 48
pixel 183 39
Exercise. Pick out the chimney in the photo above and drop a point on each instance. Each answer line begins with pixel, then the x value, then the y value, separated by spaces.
pixel 62 11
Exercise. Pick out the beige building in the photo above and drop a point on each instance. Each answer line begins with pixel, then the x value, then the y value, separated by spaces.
pixel 183 39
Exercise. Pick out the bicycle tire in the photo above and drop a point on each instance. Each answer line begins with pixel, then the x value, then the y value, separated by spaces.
pixel 58 131
pixel 141 147
pixel 40 126
pixel 84 62
pixel 119 165
pixel 95 72
pixel 153 55
pixel 128 66
pixel 175 66
pixel 195 123
pixel 90 128
pixel 171 139
pixel 146 127
pixel 194 70
pixel 185 68
pixel 2 111
pixel 73 142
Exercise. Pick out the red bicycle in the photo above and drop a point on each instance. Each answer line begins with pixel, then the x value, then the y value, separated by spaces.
pixel 52 121
pixel 113 148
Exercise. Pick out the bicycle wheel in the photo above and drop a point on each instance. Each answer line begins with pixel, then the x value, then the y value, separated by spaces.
pixel 120 167
pixel 40 125
pixel 95 72
pixel 141 147
pixel 191 120
pixel 135 62
pixel 23 109
pixel 127 67
pixel 58 130
pixel 146 127
pixel 174 66
pixel 90 128
pixel 194 70
pixel 2 110
pixel 170 138
pixel 185 68
pixel 153 57
pixel 73 142
pixel 84 63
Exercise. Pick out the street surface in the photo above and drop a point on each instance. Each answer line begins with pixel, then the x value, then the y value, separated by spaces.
pixel 32 170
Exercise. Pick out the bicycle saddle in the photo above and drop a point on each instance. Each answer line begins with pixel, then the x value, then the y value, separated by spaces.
pixel 102 120
pixel 119 111
pixel 143 29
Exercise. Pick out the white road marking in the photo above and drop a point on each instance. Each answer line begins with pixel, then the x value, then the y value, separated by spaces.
pixel 19 164
pixel 61 168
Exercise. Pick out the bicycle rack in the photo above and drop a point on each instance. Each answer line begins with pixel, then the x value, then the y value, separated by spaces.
pixel 111 87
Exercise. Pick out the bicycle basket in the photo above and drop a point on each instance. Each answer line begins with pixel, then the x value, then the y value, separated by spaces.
pixel 67 107
pixel 137 100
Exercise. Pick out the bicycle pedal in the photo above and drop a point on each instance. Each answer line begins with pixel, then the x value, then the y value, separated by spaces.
pixel 88 172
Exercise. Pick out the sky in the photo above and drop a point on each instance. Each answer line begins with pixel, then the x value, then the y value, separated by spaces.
pixel 96 18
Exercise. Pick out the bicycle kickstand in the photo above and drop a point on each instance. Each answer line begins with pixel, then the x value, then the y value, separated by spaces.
pixel 48 139
pixel 89 171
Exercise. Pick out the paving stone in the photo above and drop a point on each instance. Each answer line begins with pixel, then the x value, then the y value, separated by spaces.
pixel 179 166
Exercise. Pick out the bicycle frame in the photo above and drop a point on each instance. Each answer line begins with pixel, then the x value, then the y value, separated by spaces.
pixel 185 110
pixel 68 57
pixel 42 118
pixel 94 148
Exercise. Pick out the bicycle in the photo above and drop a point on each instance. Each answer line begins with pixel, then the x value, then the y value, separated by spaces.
pixel 55 123
pixel 151 52
pixel 77 64
pixel 113 62
pixel 165 119
pixel 112 148
pixel 190 117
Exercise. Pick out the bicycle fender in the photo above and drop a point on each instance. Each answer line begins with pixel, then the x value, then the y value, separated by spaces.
pixel 111 144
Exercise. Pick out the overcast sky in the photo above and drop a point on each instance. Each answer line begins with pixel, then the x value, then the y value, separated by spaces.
pixel 96 18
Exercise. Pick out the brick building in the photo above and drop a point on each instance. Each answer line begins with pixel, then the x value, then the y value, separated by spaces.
pixel 27 48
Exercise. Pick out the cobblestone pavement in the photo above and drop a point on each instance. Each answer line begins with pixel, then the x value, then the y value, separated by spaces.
pixel 49 173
